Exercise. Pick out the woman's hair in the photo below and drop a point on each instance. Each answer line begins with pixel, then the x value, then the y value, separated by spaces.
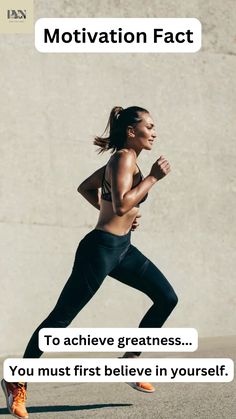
pixel 115 131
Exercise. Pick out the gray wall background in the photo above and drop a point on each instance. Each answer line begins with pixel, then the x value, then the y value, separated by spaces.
pixel 51 107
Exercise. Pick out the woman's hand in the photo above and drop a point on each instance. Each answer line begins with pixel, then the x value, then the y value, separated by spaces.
pixel 135 222
pixel 160 168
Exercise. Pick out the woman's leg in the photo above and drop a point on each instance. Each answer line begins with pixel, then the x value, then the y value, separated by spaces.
pixel 98 253
pixel 137 271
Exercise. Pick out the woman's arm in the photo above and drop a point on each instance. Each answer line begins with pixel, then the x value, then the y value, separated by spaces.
pixel 123 197
pixel 89 188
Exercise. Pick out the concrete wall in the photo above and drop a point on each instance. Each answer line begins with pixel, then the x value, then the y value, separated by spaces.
pixel 51 107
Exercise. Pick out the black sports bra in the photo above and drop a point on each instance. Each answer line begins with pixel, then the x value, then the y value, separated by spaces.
pixel 106 188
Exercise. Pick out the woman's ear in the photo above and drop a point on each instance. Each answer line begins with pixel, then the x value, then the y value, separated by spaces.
pixel 130 132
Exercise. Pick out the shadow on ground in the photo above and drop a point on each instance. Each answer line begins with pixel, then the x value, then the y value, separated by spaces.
pixel 65 408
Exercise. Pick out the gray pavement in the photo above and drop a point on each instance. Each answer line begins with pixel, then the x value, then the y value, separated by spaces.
pixel 117 400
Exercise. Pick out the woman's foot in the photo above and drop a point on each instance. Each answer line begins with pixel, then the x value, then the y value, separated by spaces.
pixel 15 397
pixel 145 387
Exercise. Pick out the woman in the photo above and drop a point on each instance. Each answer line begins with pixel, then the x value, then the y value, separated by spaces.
pixel 107 250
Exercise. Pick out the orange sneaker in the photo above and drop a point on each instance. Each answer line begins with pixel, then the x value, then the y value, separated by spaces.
pixel 15 398
pixel 145 387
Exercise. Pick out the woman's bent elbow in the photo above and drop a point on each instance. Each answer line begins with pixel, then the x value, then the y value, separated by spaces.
pixel 119 211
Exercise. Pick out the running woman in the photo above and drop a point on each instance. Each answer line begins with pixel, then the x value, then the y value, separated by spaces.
pixel 107 249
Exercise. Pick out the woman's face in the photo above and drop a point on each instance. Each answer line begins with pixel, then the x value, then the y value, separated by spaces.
pixel 144 132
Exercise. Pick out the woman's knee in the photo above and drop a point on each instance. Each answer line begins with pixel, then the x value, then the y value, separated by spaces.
pixel 171 300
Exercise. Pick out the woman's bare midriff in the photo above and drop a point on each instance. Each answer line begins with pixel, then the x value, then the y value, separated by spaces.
pixel 112 223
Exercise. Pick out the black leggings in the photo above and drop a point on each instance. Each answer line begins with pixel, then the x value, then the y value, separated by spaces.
pixel 100 254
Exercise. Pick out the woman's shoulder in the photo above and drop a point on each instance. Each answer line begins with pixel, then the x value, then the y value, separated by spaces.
pixel 124 155
pixel 123 159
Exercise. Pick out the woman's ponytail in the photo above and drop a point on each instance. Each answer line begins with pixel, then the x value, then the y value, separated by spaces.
pixel 115 131
pixel 104 143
